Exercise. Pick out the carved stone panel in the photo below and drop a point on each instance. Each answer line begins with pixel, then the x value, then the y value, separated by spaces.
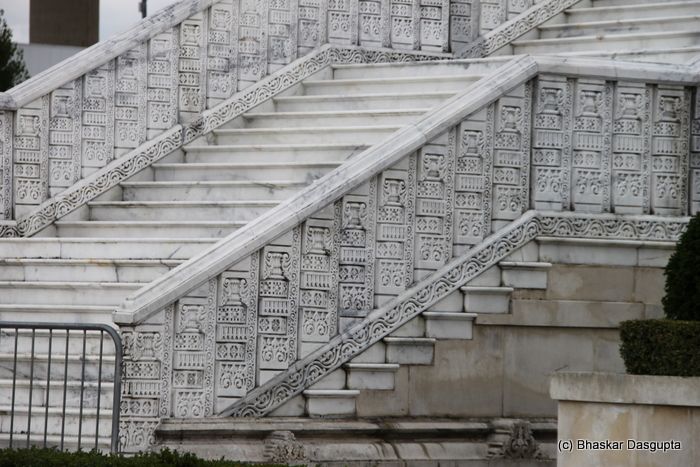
pixel 278 305
pixel 356 282
pixel 591 141
pixel 373 22
pixel 434 25
pixel 147 381
pixel 30 165
pixel 434 203
pixel 236 317
pixel 669 150
pixel 98 118
pixel 694 181
pixel 193 353
pixel 515 7
pixel 283 23
pixel 65 136
pixel 130 101
pixel 631 148
pixel 318 295
pixel 511 163
pixel 391 235
pixel 405 24
pixel 252 41
pixel 464 24
pixel 473 167
pixel 222 42
pixel 493 14
pixel 551 143
pixel 5 165
pixel 312 18
pixel 192 67
pixel 161 95
pixel 342 22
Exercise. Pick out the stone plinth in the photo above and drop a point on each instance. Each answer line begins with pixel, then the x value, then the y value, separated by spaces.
pixel 622 420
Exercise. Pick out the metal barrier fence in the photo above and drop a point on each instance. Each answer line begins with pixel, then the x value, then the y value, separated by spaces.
pixel 77 356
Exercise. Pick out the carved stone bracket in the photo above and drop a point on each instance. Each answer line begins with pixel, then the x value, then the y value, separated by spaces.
pixel 282 446
pixel 513 439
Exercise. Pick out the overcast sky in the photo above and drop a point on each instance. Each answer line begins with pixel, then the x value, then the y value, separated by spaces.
pixel 115 16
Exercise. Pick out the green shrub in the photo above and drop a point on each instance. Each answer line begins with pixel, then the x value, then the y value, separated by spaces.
pixel 35 457
pixel 661 347
pixel 682 300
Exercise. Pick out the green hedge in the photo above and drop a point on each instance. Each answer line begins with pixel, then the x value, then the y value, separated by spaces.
pixel 35 457
pixel 661 347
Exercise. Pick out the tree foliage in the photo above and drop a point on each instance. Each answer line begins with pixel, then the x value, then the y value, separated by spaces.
pixel 12 68
pixel 682 300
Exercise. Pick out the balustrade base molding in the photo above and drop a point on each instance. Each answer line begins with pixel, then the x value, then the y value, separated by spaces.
pixel 383 442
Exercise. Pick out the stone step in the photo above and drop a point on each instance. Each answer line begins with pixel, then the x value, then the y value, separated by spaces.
pixel 604 3
pixel 332 119
pixel 397 70
pixel 85 270
pixel 320 135
pixel 56 421
pixel 376 353
pixel 330 402
pixel 103 248
pixel 57 313
pixel 55 390
pixel 678 55
pixel 351 86
pixel 615 26
pixel 58 341
pixel 524 274
pixel 58 366
pixel 413 328
pixel 297 172
pixel 631 10
pixel 240 211
pixel 446 325
pixel 66 293
pixel 396 100
pixel 303 153
pixel 486 299
pixel 144 229
pixel 611 41
pixel 210 191
pixel 378 376
pixel 409 350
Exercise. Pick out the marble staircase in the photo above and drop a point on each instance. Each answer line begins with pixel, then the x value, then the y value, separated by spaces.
pixel 81 269
pixel 653 30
